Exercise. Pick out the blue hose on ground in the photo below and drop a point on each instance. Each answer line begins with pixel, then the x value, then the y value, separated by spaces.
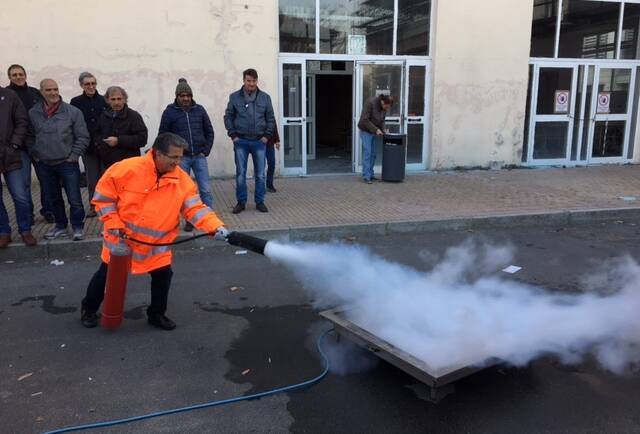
pixel 208 404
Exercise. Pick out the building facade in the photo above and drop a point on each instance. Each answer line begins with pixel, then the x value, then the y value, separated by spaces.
pixel 477 84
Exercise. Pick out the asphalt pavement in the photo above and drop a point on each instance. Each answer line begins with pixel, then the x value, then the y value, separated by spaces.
pixel 246 325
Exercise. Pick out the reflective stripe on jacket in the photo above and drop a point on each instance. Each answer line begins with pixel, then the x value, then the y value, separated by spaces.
pixel 130 197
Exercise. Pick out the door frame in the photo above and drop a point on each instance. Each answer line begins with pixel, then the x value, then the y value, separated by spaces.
pixel 569 117
pixel 358 103
pixel 595 117
pixel 293 120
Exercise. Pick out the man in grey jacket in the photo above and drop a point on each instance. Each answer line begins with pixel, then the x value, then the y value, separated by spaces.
pixel 60 138
pixel 250 122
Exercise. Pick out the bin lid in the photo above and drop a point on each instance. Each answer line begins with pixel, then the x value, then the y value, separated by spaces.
pixel 393 135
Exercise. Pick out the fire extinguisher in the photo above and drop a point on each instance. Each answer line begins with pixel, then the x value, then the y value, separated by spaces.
pixel 116 288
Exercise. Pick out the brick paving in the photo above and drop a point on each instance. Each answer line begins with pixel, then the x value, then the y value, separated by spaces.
pixel 345 200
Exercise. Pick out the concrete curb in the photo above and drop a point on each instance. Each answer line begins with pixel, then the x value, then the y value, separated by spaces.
pixel 61 249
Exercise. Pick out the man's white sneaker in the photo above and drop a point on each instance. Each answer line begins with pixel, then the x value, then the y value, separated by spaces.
pixel 56 233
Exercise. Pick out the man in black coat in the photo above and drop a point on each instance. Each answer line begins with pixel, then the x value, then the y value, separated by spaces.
pixel 13 131
pixel 29 97
pixel 91 104
pixel 120 132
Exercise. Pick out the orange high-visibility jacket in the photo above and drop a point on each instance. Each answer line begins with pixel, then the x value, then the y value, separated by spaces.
pixel 132 198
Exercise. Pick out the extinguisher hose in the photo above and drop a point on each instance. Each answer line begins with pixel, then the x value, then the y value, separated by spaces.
pixel 172 243
pixel 278 390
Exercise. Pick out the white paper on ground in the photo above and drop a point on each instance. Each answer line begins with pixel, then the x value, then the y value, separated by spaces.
pixel 512 269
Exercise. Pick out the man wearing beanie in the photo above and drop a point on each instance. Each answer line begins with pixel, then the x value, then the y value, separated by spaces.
pixel 191 122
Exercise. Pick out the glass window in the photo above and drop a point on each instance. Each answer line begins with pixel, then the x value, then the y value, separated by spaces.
pixel 550 81
pixel 356 26
pixel 297 26
pixel 550 140
pixel 616 82
pixel 413 27
pixel 630 32
pixel 292 90
pixel 608 139
pixel 417 80
pixel 543 28
pixel 588 29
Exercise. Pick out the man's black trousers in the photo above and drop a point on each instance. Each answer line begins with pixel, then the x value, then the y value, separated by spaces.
pixel 160 284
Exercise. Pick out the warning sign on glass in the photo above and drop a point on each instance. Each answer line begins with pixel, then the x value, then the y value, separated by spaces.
pixel 561 102
pixel 604 101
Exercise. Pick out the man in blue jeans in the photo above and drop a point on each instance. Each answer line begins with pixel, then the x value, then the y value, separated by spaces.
pixel 250 123
pixel 191 122
pixel 59 138
pixel 13 130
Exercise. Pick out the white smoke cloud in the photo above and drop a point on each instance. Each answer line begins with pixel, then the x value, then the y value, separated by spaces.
pixel 463 312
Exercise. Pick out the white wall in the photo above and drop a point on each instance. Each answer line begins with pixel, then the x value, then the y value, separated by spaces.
pixel 145 46
pixel 481 54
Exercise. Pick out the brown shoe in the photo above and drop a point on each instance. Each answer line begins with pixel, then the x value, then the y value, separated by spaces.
pixel 5 239
pixel 29 239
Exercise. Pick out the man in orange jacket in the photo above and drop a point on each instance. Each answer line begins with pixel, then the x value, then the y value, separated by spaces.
pixel 142 198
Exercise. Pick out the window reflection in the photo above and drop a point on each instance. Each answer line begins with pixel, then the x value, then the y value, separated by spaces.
pixel 297 26
pixel 588 29
pixel 413 27
pixel 356 26
pixel 543 28
pixel 630 32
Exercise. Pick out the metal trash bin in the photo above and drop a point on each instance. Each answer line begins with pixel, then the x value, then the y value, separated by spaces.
pixel 394 157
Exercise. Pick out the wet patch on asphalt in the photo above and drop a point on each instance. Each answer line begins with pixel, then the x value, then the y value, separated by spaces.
pixel 47 304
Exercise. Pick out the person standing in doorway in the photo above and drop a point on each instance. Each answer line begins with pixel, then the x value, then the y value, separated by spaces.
pixel 29 96
pixel 91 104
pixel 191 122
pixel 120 132
pixel 60 138
pixel 371 124
pixel 250 122
pixel 272 145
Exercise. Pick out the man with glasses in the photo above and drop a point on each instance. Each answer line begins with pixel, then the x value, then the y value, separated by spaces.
pixel 91 104
pixel 143 198
pixel 29 96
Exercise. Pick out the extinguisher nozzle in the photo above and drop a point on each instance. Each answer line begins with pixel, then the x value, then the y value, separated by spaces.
pixel 248 242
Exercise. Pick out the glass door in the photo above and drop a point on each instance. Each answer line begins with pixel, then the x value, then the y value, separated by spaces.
pixel 552 113
pixel 415 125
pixel 293 116
pixel 610 114
pixel 311 116
pixel 375 78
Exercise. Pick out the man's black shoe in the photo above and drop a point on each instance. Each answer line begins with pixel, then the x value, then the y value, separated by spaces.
pixel 162 322
pixel 238 208
pixel 271 189
pixel 89 319
pixel 262 207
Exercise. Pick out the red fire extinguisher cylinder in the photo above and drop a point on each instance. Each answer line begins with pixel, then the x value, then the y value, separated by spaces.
pixel 116 287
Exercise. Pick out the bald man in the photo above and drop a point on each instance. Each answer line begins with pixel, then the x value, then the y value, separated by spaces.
pixel 60 137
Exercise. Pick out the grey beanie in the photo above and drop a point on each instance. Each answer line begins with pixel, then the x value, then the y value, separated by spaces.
pixel 183 87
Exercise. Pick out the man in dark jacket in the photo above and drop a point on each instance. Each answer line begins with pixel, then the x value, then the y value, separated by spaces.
pixel 60 138
pixel 29 96
pixel 13 130
pixel 191 122
pixel 91 104
pixel 120 132
pixel 250 123
pixel 371 124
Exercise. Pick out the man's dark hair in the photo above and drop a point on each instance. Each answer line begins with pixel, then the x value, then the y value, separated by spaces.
pixel 165 140
pixel 251 73
pixel 15 65
pixel 387 99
